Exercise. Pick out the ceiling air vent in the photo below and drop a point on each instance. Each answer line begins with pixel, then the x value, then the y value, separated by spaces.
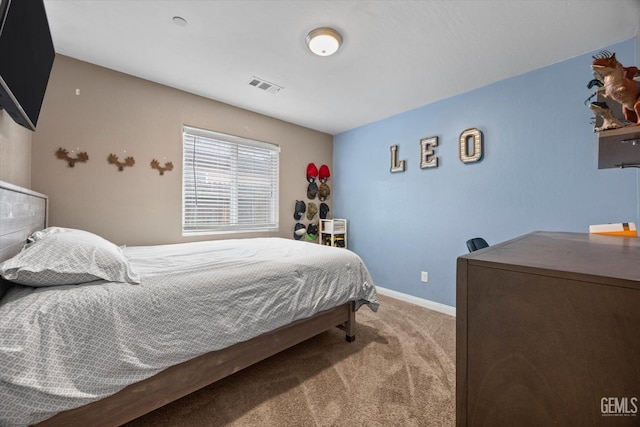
pixel 265 85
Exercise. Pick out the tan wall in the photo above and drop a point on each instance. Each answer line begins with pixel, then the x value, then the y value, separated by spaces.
pixel 15 152
pixel 114 113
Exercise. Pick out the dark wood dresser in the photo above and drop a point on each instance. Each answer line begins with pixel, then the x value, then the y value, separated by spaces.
pixel 548 332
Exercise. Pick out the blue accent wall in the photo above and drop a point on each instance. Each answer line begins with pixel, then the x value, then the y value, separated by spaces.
pixel 539 172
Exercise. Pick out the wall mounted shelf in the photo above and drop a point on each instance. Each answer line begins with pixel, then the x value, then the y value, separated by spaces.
pixel 619 148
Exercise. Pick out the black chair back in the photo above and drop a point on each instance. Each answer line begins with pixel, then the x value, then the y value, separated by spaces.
pixel 476 243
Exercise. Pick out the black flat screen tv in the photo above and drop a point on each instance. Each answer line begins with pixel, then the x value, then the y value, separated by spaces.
pixel 26 58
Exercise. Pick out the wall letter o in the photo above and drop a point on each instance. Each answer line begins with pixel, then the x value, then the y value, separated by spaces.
pixel 476 154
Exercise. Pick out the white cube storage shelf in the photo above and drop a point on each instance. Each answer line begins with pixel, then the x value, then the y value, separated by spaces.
pixel 333 232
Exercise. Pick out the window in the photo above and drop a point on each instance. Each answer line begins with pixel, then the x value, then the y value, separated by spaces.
pixel 229 184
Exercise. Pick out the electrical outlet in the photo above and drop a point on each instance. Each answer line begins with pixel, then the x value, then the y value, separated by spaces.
pixel 424 276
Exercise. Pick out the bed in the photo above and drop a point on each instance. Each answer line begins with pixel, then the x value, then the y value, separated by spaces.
pixel 168 321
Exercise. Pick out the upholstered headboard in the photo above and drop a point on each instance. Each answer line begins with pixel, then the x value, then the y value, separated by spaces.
pixel 22 212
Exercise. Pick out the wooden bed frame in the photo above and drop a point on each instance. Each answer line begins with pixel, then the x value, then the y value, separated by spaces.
pixel 23 211
pixel 180 380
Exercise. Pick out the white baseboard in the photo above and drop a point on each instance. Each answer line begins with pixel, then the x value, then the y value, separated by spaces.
pixel 431 305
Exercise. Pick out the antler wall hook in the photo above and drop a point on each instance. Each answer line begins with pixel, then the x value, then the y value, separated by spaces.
pixel 113 159
pixel 63 154
pixel 168 166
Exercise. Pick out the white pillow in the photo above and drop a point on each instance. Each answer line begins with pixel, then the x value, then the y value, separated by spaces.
pixel 41 234
pixel 65 256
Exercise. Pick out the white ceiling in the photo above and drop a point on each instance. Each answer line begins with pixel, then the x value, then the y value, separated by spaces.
pixel 396 55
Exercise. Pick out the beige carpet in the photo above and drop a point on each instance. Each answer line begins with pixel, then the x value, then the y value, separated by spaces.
pixel 400 371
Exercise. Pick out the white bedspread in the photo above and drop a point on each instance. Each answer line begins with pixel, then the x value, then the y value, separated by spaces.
pixel 65 346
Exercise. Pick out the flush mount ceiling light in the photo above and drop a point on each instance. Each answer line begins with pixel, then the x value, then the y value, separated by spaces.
pixel 324 41
pixel 179 21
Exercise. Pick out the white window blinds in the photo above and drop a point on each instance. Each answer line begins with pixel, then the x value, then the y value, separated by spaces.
pixel 229 184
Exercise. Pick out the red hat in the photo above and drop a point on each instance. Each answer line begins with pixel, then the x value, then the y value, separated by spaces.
pixel 312 172
pixel 324 173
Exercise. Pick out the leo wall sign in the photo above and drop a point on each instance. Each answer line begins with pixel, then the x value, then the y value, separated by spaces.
pixel 470 144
